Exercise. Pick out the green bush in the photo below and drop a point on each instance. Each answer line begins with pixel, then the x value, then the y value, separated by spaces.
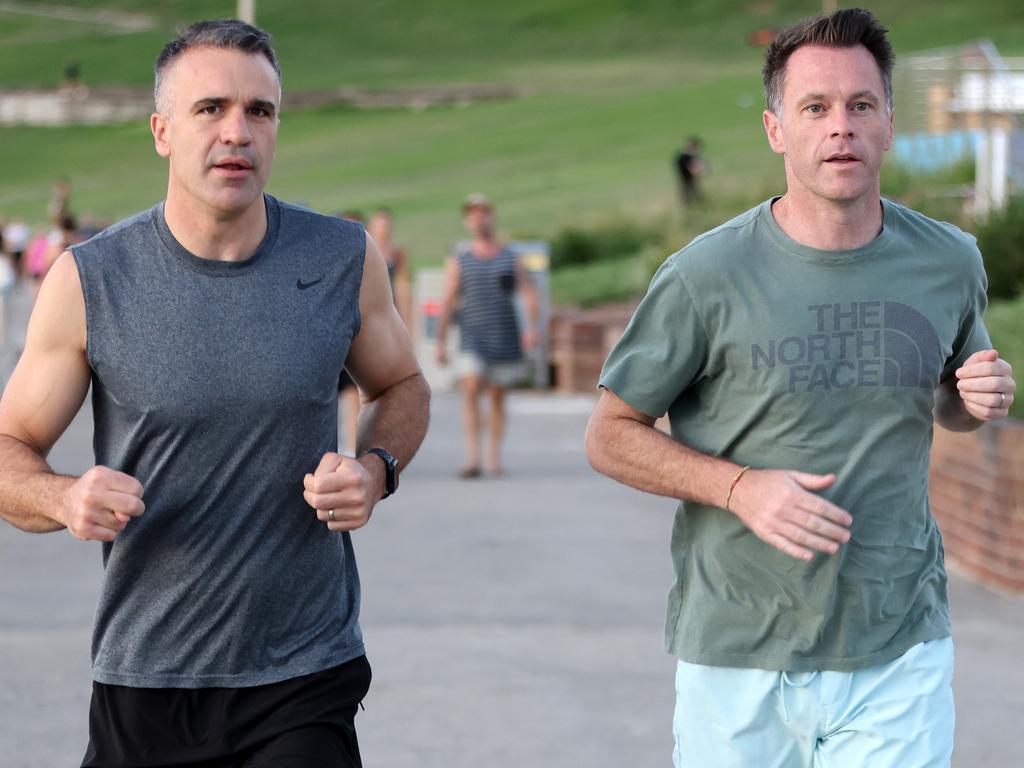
pixel 1001 240
pixel 575 246
pixel 602 282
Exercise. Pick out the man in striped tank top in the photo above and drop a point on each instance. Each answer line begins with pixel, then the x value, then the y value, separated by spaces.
pixel 482 279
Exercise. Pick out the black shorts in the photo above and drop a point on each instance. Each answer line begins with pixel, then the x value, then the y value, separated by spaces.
pixel 305 722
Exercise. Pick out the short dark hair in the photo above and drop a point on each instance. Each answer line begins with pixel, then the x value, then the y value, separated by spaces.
pixel 217 33
pixel 847 28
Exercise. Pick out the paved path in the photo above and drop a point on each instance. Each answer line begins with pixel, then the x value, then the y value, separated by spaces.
pixel 512 622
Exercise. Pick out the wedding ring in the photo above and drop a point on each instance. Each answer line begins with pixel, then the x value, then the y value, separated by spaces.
pixel 330 515
pixel 1002 399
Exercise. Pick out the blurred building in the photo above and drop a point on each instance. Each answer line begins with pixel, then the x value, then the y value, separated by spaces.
pixel 963 102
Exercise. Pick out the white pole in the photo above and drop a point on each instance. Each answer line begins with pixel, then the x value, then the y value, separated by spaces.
pixel 247 11
pixel 983 175
pixel 1000 153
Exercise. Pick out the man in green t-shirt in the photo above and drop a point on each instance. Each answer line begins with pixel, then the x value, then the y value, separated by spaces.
pixel 802 352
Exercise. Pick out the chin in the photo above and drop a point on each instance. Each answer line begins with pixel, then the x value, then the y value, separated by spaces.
pixel 237 201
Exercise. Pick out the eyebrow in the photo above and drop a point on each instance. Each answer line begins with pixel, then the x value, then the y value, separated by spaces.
pixel 858 96
pixel 220 101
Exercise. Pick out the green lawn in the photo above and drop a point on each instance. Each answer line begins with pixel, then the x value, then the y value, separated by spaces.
pixel 324 43
pixel 548 160
pixel 611 89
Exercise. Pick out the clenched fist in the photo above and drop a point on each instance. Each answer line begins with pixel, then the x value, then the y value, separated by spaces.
pixel 99 504
pixel 986 386
pixel 343 491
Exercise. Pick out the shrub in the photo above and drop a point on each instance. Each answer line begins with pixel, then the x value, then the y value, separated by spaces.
pixel 1001 240
pixel 575 246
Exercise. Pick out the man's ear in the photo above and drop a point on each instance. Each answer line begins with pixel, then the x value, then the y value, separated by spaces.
pixel 158 125
pixel 773 127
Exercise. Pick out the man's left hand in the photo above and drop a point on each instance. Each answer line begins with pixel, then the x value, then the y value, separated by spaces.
pixel 343 491
pixel 986 385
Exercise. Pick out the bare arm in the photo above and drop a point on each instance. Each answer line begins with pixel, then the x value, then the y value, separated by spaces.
pixel 528 291
pixel 779 506
pixel 982 390
pixel 396 397
pixel 42 397
pixel 451 295
pixel 396 406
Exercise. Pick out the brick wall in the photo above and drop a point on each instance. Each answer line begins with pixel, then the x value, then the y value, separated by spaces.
pixel 977 495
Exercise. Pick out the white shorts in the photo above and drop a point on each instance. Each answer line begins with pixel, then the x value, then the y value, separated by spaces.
pixel 504 374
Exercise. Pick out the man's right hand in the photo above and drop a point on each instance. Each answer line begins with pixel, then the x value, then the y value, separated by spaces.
pixel 783 509
pixel 99 504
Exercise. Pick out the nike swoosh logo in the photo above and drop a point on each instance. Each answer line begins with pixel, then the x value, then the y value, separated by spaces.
pixel 303 286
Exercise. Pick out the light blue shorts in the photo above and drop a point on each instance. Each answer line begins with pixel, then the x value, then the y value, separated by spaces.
pixel 895 715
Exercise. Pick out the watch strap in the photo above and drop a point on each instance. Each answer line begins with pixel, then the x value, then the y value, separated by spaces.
pixel 390 469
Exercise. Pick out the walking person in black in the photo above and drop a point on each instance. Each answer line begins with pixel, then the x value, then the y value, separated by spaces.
pixel 690 167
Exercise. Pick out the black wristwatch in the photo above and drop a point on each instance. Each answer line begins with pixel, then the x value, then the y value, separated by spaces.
pixel 390 470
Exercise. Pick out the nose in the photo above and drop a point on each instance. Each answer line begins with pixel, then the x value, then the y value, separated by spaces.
pixel 841 124
pixel 235 128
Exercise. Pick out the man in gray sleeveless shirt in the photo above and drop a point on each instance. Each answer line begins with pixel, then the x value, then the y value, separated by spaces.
pixel 212 329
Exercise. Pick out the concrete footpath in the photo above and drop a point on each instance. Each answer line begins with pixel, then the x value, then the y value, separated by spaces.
pixel 510 622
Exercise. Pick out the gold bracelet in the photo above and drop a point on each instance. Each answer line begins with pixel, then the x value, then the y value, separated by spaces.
pixel 732 486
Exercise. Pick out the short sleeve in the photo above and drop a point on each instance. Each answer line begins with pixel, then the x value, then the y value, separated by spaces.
pixel 972 335
pixel 663 350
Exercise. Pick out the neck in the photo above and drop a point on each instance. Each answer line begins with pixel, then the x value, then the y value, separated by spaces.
pixel 826 225
pixel 484 243
pixel 216 235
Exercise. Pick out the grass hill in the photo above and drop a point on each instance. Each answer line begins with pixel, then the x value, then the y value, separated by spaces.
pixel 612 87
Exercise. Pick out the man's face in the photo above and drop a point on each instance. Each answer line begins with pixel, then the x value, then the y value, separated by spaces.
pixel 380 225
pixel 834 128
pixel 479 220
pixel 220 130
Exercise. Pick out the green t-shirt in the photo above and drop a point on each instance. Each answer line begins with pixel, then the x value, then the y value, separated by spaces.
pixel 769 353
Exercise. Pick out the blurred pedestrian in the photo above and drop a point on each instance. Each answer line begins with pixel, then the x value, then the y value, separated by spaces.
pixel 381 229
pixel 348 392
pixel 16 236
pixel 690 168
pixel 483 278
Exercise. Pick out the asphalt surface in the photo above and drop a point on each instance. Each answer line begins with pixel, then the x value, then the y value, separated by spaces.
pixel 510 622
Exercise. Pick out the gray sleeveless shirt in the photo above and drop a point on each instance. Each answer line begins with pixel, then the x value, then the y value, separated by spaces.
pixel 215 384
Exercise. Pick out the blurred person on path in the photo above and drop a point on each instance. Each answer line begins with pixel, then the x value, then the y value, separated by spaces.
pixel 803 352
pixel 381 229
pixel 59 206
pixel 16 236
pixel 348 392
pixel 482 280
pixel 213 328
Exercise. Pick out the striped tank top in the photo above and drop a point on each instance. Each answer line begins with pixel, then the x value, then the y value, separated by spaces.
pixel 488 323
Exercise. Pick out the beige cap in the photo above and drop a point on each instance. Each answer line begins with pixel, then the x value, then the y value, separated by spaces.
pixel 477 200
